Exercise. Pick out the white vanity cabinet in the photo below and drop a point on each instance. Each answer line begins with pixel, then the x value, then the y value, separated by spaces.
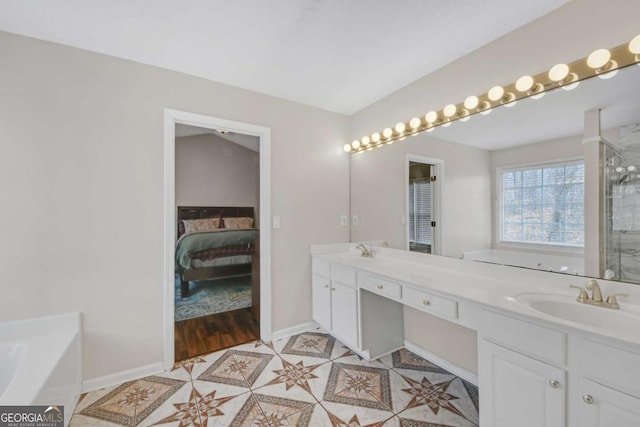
pixel 609 390
pixel 521 391
pixel 522 379
pixel 527 379
pixel 335 301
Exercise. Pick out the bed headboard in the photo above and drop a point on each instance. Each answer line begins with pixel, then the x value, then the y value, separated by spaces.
pixel 198 212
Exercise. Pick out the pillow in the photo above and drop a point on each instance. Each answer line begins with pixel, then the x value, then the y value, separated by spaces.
pixel 204 224
pixel 239 222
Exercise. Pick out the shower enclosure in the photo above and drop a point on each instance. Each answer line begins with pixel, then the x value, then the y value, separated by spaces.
pixel 622 207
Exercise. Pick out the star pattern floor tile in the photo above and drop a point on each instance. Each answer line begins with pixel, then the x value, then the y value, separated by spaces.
pixel 358 385
pixel 132 402
pixel 307 380
pixel 313 344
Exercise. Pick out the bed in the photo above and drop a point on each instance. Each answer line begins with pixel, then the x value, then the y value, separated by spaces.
pixel 214 242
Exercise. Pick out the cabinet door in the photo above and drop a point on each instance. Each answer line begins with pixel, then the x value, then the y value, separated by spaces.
pixel 321 297
pixel 601 406
pixel 518 390
pixel 344 314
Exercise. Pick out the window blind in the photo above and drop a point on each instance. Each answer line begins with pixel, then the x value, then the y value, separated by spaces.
pixel 420 230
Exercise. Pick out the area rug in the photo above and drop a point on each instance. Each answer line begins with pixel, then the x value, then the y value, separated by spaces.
pixel 213 296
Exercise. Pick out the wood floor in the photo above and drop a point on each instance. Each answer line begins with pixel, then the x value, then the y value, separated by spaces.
pixel 214 332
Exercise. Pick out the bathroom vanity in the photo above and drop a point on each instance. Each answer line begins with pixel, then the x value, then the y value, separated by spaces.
pixel 543 358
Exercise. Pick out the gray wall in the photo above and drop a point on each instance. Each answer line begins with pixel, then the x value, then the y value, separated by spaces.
pixel 81 178
pixel 212 171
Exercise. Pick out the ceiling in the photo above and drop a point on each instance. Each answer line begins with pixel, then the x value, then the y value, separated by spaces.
pixel 338 55
pixel 247 141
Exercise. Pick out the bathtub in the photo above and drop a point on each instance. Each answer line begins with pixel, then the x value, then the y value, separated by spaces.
pixel 40 362
pixel 538 261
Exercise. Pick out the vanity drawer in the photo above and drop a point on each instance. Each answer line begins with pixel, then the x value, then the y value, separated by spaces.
pixel 430 303
pixel 379 285
pixel 343 275
pixel 528 338
pixel 321 268
pixel 610 365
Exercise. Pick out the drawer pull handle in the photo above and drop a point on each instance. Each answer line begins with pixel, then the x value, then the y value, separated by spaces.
pixel 426 302
pixel 326 286
pixel 588 399
pixel 554 383
pixel 333 289
pixel 380 287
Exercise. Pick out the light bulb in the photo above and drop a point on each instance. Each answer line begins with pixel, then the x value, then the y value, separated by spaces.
pixel 608 75
pixel 400 127
pixel 496 93
pixel 365 140
pixel 450 110
pixel 471 102
pixel 631 168
pixel 524 83
pixel 415 123
pixel 446 125
pixel 430 129
pixel 619 169
pixel 431 116
pixel 634 45
pixel 487 111
pixel 598 58
pixel 571 86
pixel 347 148
pixel 538 95
pixel 387 132
pixel 558 72
pixel 465 118
pixel 355 144
pixel 511 104
pixel 375 137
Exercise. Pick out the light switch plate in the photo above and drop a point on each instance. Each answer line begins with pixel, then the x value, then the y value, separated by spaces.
pixel 276 222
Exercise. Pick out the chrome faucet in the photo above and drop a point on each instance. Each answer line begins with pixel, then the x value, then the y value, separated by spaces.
pixel 364 251
pixel 596 295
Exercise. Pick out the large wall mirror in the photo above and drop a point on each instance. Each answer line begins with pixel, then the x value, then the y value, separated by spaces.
pixel 510 185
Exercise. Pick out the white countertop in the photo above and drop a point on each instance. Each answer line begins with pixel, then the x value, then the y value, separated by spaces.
pixel 492 286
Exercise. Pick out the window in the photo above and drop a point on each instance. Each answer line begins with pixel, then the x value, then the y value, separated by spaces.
pixel 420 231
pixel 542 204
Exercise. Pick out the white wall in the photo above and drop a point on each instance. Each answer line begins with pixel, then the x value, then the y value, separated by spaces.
pixel 213 171
pixel 81 178
pixel 570 32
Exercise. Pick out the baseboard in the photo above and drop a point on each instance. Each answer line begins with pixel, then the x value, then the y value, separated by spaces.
pixel 443 363
pixel 298 329
pixel 121 377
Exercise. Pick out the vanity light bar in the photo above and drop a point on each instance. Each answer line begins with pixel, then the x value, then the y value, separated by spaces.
pixel 604 63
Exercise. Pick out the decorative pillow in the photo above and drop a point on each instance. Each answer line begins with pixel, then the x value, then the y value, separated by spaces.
pixel 204 224
pixel 239 222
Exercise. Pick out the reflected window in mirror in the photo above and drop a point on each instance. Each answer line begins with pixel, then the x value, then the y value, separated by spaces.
pixel 542 205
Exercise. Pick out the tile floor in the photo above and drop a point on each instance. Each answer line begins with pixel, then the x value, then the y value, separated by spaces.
pixel 309 379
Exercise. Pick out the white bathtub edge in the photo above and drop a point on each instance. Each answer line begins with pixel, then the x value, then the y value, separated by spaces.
pixel 122 377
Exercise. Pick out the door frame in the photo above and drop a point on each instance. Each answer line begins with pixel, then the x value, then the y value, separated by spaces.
pixel 171 118
pixel 436 197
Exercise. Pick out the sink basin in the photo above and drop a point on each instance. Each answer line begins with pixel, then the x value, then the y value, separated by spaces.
pixel 567 308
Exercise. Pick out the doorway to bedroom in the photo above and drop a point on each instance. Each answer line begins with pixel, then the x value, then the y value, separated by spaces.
pixel 216 291
pixel 217 242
